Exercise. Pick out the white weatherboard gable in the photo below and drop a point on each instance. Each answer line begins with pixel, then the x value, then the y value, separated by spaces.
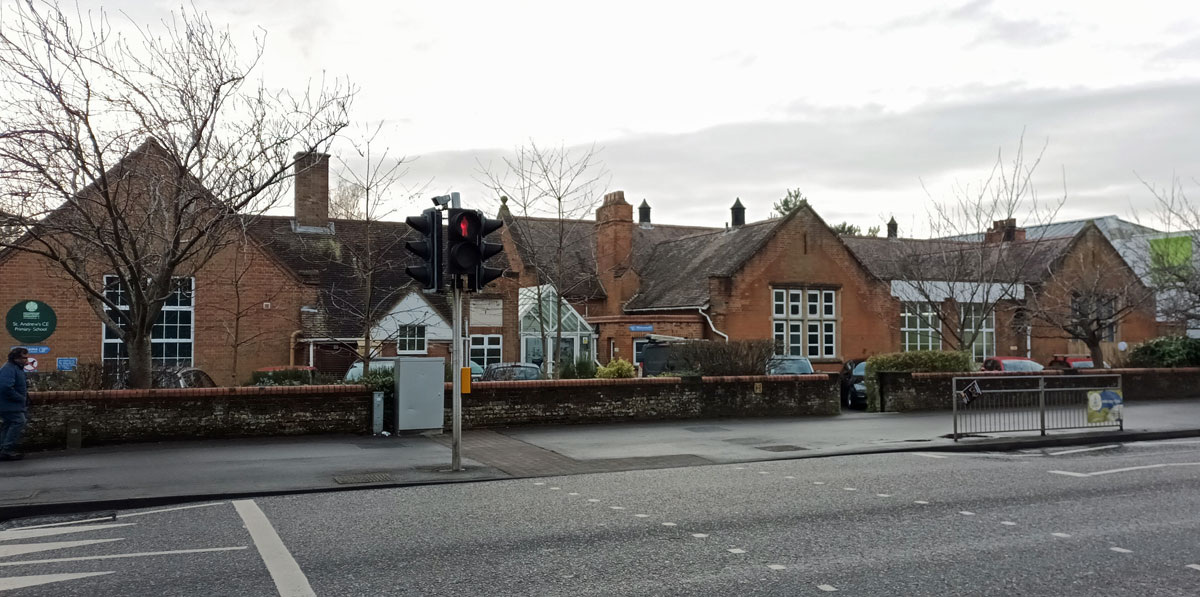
pixel 413 309
pixel 963 292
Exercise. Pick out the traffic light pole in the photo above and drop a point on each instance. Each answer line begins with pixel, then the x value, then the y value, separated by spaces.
pixel 456 357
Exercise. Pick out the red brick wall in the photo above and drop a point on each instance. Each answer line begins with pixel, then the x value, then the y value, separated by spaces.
pixel 615 334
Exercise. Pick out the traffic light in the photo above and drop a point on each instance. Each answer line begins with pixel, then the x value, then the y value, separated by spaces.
pixel 429 271
pixel 484 274
pixel 468 249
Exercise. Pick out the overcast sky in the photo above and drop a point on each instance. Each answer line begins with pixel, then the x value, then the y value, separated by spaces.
pixel 867 107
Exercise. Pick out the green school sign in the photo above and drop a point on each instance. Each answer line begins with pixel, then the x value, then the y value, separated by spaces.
pixel 30 321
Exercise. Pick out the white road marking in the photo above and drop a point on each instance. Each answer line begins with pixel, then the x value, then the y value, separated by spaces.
pixel 927 455
pixel 1008 523
pixel 884 494
pixel 764 472
pixel 1120 550
pixel 555 488
pixel 850 488
pixel 22 548
pixel 776 566
pixel 669 524
pixel 289 579
pixel 642 515
pixel 700 535
pixel 31 533
pixel 122 555
pixel 818 482
pixel 966 513
pixel 736 550
pixel 1193 566
pixel 922 502
pixel 1083 450
pixel 827 588
pixel 21 582
pixel 617 507
pixel 539 483
pixel 1126 469
pixel 128 515
pixel 789 477
pixel 1063 535
pixel 739 468
pixel 573 493
pixel 593 500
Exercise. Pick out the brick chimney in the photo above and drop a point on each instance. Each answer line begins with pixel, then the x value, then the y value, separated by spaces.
pixel 312 189
pixel 614 235
pixel 1004 231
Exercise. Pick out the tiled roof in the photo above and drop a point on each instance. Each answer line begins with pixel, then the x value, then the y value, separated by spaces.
pixel 919 259
pixel 676 273
pixel 1113 228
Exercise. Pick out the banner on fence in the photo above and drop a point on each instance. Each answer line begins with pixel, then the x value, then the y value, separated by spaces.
pixel 1105 406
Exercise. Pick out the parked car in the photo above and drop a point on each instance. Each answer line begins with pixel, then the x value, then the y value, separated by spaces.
pixel 789 365
pixel 185 377
pixel 854 384
pixel 511 372
pixel 658 357
pixel 356 370
pixel 1072 361
pixel 1011 364
pixel 476 371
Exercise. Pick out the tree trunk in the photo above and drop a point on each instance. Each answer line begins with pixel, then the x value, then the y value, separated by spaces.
pixel 141 366
pixel 1097 353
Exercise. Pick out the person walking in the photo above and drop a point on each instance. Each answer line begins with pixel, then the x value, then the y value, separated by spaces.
pixel 14 400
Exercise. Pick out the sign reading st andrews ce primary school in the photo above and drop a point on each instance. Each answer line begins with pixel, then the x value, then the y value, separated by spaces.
pixel 30 321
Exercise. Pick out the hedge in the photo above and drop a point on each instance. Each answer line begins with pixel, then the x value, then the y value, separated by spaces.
pixel 912 362
pixel 1167 351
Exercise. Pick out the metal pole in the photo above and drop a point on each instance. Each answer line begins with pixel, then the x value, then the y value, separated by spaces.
pixel 1042 402
pixel 954 405
pixel 456 360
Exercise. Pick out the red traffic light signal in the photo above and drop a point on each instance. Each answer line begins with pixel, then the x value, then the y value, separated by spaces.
pixel 462 250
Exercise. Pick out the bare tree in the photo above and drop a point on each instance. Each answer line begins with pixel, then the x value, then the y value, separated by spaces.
pixel 551 190
pixel 959 278
pixel 346 203
pixel 1171 261
pixel 128 160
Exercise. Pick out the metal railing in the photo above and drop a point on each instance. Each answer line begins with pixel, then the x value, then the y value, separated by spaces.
pixel 1008 404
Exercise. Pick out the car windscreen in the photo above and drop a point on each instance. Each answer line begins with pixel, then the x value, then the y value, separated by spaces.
pixel 1082 365
pixel 512 374
pixel 860 369
pixel 791 367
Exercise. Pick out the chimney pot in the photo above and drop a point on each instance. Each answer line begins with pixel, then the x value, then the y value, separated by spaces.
pixel 893 228
pixel 738 212
pixel 644 213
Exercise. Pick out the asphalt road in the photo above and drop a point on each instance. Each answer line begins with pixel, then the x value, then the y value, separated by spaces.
pixel 1116 520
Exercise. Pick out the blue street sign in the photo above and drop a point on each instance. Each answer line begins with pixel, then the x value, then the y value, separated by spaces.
pixel 35 349
pixel 67 364
pixel 643 327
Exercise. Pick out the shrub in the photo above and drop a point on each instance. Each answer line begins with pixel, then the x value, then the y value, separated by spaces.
pixel 1167 351
pixel 913 361
pixel 616 368
pixel 50 381
pixel 736 357
pixel 585 368
pixel 282 377
pixel 567 371
pixel 380 380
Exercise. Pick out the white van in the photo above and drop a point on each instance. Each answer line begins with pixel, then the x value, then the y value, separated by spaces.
pixel 356 370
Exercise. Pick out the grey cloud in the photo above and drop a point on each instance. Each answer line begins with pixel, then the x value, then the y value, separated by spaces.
pixel 992 26
pixel 840 158
pixel 1187 51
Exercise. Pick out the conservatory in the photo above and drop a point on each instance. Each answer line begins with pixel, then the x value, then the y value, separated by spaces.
pixel 578 340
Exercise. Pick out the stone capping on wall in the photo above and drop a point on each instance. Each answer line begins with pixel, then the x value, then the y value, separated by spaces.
pixel 634 381
pixel 1044 372
pixel 240 391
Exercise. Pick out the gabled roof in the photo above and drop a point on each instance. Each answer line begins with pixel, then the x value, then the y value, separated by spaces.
pixel 956 261
pixel 1113 228
pixel 676 273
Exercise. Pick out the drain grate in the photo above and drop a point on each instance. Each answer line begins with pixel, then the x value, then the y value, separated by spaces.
pixel 363 478
pixel 781 448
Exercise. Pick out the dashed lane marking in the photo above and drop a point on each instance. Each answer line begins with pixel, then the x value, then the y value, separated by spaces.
pixel 827 588
pixel 1193 566
pixel 21 582
pixel 122 555
pixel 736 550
pixel 1120 550
pixel 966 513
pixel 617 507
pixel 1008 523
pixel 539 483
pixel 593 500
pixel 125 515
pixel 764 472
pixel 555 488
pixel 789 477
pixel 1063 535
pixel 922 502
pixel 1076 451
pixel 669 524
pixel 572 493
pixel 850 488
pixel 700 535
pixel 927 455
pixel 642 515
pixel 776 566
pixel 1068 473
pixel 289 578
pixel 818 482
pixel 884 494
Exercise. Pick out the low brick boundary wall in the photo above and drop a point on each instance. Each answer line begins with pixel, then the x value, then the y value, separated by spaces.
pixel 904 392
pixel 124 416
pixel 492 404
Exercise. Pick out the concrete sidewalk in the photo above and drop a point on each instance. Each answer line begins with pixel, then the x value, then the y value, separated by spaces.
pixel 139 475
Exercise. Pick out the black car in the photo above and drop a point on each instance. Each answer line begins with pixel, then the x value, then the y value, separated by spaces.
pixel 511 372
pixel 854 385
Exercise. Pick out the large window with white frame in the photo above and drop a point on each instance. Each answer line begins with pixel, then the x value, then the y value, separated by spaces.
pixel 979 320
pixel 410 339
pixel 920 327
pixel 805 322
pixel 486 349
pixel 173 335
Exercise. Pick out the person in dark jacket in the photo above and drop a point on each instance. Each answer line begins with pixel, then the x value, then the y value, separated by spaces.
pixel 14 400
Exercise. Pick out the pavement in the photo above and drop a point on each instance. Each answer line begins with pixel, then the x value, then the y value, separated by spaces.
pixel 143 475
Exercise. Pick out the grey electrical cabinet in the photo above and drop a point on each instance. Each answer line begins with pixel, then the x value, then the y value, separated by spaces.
pixel 420 398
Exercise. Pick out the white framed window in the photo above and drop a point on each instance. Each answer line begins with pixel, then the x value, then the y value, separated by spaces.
pixel 805 322
pixel 984 344
pixel 638 347
pixel 410 339
pixel 172 337
pixel 920 327
pixel 486 349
